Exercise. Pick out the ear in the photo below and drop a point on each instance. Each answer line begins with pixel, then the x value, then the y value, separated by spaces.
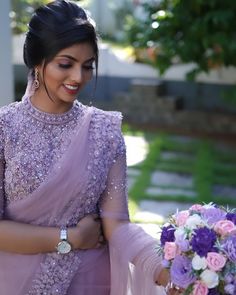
pixel 41 69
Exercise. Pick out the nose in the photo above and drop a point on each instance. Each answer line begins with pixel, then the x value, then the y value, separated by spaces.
pixel 77 75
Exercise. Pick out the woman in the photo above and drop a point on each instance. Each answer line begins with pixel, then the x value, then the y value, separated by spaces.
pixel 62 163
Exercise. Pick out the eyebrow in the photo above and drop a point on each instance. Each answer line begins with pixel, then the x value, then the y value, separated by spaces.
pixel 74 59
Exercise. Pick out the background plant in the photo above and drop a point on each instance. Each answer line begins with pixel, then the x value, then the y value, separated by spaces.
pixel 186 31
pixel 22 11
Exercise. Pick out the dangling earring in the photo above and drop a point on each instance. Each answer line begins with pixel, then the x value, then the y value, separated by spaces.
pixel 36 79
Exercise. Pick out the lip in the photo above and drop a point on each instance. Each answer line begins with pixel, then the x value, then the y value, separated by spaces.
pixel 71 91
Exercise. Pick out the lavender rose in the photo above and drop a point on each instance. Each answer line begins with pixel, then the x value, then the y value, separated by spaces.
pixel 229 247
pixel 167 234
pixel 231 217
pixel 181 272
pixel 230 289
pixel 203 241
pixel 212 215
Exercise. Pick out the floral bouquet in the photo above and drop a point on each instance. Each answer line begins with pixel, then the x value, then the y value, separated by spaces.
pixel 199 248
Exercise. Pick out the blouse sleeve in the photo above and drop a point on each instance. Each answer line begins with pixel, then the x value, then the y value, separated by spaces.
pixel 1 172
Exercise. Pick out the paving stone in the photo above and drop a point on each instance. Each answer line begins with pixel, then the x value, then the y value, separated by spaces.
pixel 224 191
pixel 166 155
pixel 132 172
pixel 160 178
pixel 158 191
pixel 182 138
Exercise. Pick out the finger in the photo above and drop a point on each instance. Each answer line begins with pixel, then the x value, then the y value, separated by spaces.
pixel 98 245
pixel 92 216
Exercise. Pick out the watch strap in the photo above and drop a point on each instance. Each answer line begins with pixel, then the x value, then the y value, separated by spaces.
pixel 63 234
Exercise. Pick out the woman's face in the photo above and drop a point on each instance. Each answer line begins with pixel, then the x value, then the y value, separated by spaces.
pixel 67 73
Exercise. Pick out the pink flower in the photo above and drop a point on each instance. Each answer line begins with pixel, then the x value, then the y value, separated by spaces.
pixel 215 261
pixel 181 217
pixel 224 227
pixel 199 288
pixel 170 250
pixel 197 207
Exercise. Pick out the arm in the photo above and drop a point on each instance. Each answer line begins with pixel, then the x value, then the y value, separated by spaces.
pixel 132 243
pixel 29 239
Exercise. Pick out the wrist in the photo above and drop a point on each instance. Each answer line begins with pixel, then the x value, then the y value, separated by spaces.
pixel 73 237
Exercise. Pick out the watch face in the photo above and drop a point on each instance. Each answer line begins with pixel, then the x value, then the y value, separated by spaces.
pixel 63 247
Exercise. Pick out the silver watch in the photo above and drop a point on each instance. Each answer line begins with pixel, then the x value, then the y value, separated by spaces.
pixel 63 247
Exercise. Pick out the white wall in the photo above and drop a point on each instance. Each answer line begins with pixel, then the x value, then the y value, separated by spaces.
pixel 6 69
pixel 102 12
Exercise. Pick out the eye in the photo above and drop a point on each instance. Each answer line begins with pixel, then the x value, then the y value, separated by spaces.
pixel 64 66
pixel 88 67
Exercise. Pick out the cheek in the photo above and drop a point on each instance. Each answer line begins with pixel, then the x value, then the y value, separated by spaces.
pixel 87 75
pixel 53 75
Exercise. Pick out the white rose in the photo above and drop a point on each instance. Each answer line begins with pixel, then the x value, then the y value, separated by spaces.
pixel 180 233
pixel 210 278
pixel 199 262
pixel 193 221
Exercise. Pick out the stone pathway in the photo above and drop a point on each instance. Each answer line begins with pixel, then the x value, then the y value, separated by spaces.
pixel 171 184
pixel 164 183
pixel 161 178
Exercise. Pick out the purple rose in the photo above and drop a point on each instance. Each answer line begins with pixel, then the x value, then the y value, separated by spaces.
pixel 181 272
pixel 213 291
pixel 212 215
pixel 167 234
pixel 229 247
pixel 231 217
pixel 203 241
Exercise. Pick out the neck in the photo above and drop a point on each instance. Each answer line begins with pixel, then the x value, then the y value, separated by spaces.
pixel 46 104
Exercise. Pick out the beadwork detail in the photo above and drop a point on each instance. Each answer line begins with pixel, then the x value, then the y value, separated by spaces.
pixel 34 141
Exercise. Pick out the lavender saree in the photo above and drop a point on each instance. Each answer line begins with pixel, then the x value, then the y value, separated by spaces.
pixel 55 169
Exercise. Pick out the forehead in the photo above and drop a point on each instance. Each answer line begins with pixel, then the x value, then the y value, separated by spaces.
pixel 79 51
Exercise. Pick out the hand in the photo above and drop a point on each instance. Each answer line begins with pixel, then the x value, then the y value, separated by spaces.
pixel 87 234
pixel 163 277
pixel 173 290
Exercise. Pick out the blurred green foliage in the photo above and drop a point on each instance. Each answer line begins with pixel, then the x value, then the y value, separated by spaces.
pixel 21 12
pixel 198 31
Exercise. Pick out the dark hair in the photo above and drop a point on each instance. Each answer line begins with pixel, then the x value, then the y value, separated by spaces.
pixel 56 26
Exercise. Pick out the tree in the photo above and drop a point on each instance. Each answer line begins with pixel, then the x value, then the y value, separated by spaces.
pixel 198 31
